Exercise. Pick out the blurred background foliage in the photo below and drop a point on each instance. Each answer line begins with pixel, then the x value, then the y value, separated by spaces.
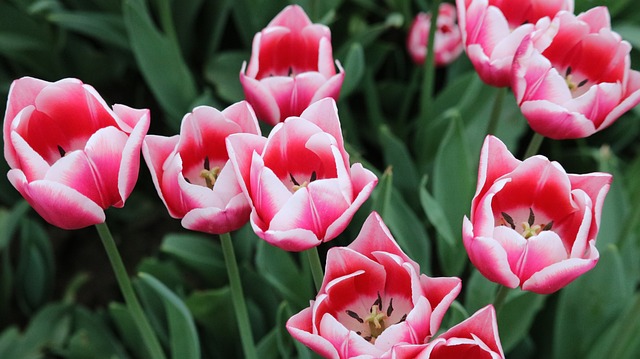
pixel 58 296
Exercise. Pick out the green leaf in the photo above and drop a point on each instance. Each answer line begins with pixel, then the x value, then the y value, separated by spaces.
pixel 92 335
pixel 160 62
pixel 198 253
pixel 127 329
pixel 210 308
pixel 283 274
pixel 183 337
pixel 408 231
pixel 354 66
pixel 10 221
pixel 587 306
pixel 396 154
pixel 516 317
pixel 479 291
pixel 382 193
pixel 453 187
pixel 436 215
pixel 107 28
pixel 223 71
pixel 35 270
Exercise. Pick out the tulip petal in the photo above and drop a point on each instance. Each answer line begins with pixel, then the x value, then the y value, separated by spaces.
pixel 56 203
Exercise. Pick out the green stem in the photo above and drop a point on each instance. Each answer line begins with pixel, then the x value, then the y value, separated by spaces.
pixel 316 266
pixel 135 309
pixel 496 111
pixel 534 145
pixel 237 296
pixel 501 296
pixel 426 100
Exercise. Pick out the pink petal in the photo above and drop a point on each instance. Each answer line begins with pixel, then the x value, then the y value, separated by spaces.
pixel 482 326
pixel 300 327
pixel 489 257
pixel 130 162
pixel 293 240
pixel 556 122
pixel 376 237
pixel 156 151
pixel 240 148
pixel 558 275
pixel 217 220
pixel 260 97
pixel 541 251
pixel 106 151
pixel 58 204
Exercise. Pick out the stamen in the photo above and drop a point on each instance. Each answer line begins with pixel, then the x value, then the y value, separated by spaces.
pixel 295 183
pixel 313 176
pixel 206 163
pixel 355 316
pixel 404 317
pixel 390 308
pixel 378 302
pixel 568 72
pixel 509 220
pixel 547 227
pixel 61 151
pixel 583 82
pixel 532 218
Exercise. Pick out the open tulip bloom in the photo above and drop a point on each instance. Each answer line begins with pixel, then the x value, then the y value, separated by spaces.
pixel 532 225
pixel 492 30
pixel 448 39
pixel 291 66
pixel 374 303
pixel 580 81
pixel 298 181
pixel 71 156
pixel 191 171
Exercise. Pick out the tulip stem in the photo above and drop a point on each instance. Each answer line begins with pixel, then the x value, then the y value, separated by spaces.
pixel 135 309
pixel 237 296
pixel 496 111
pixel 501 296
pixel 534 145
pixel 426 100
pixel 316 267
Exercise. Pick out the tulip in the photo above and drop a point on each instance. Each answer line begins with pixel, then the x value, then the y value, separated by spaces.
pixel 372 298
pixel 532 225
pixel 493 29
pixel 191 173
pixel 448 39
pixel 291 66
pixel 580 82
pixel 71 156
pixel 475 337
pixel 298 181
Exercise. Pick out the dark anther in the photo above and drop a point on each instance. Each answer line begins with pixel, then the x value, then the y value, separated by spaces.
pixel 378 302
pixel 186 179
pixel 290 71
pixel 355 316
pixel 532 217
pixel 359 332
pixel 404 317
pixel 390 308
pixel 293 180
pixel 548 226
pixel 568 71
pixel 61 150
pixel 583 82
pixel 313 176
pixel 509 220
pixel 206 163
pixel 368 338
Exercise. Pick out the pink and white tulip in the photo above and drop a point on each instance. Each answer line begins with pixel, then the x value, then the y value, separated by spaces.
pixel 475 337
pixel 372 299
pixel 580 82
pixel 492 30
pixel 532 225
pixel 191 171
pixel 291 66
pixel 298 181
pixel 448 39
pixel 71 156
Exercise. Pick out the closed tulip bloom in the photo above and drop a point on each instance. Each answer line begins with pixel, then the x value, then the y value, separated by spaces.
pixel 492 30
pixel 298 181
pixel 532 225
pixel 580 82
pixel 291 66
pixel 448 39
pixel 191 171
pixel 372 299
pixel 71 156
pixel 476 337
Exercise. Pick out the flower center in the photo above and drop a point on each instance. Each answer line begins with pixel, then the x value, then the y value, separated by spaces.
pixel 296 185
pixel 529 228
pixel 376 321
pixel 210 175
pixel 573 86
